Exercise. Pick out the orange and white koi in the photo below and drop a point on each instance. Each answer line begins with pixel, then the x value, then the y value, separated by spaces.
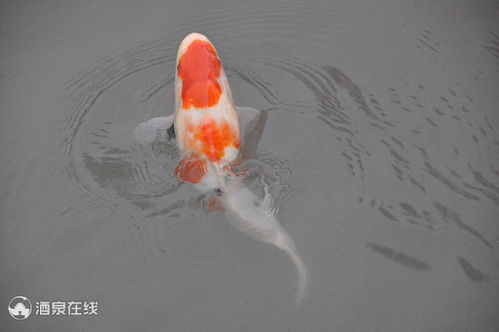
pixel 207 129
pixel 206 123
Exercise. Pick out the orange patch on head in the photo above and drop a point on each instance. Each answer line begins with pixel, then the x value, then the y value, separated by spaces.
pixel 199 69
pixel 211 137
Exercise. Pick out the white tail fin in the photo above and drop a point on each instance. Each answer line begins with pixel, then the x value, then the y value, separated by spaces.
pixel 257 220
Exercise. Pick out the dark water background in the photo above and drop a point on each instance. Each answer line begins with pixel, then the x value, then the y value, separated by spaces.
pixel 381 145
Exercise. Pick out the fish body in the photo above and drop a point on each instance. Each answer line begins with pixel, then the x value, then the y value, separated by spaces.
pixel 206 125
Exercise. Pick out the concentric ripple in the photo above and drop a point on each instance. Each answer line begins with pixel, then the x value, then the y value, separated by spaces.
pixel 385 141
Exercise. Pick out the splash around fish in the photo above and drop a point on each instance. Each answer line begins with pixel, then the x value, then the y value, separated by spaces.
pixel 212 135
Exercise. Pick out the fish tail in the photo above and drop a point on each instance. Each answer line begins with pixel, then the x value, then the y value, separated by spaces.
pixel 260 223
pixel 289 248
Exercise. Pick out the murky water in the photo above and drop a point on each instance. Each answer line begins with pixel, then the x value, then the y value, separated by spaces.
pixel 381 148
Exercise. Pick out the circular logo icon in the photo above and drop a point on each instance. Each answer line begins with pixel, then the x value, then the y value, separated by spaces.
pixel 20 307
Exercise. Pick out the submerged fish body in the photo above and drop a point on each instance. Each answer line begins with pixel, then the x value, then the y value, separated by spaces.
pixel 256 218
pixel 206 125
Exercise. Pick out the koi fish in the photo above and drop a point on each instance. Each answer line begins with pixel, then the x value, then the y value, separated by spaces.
pixel 207 127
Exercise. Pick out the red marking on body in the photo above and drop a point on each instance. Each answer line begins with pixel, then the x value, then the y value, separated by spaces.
pixel 213 203
pixel 191 169
pixel 211 137
pixel 199 69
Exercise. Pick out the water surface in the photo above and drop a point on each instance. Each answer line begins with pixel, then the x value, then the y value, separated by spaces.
pixel 381 148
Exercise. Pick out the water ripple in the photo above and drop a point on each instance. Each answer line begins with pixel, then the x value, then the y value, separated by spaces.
pixel 400 258
pixel 384 134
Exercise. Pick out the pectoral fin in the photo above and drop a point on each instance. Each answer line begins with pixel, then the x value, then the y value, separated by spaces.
pixel 155 130
pixel 251 122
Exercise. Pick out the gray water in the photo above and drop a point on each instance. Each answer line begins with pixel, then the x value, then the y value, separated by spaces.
pixel 381 145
